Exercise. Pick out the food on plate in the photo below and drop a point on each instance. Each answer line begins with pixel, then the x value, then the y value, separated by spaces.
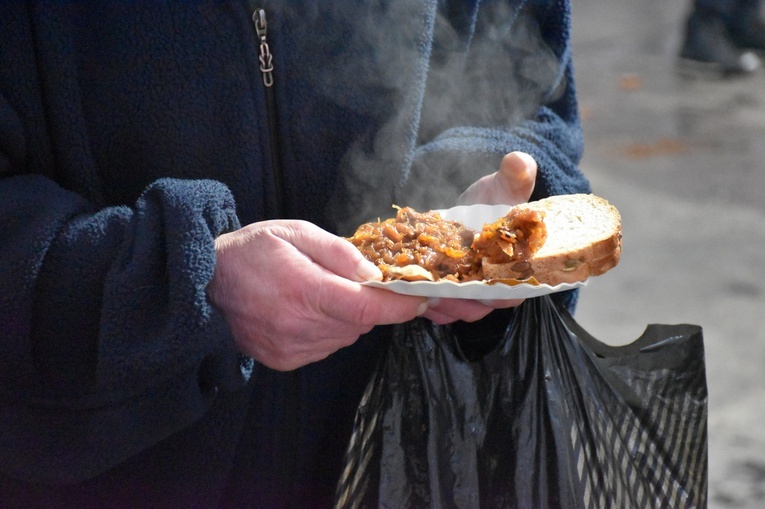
pixel 419 246
pixel 584 239
pixel 560 239
pixel 511 241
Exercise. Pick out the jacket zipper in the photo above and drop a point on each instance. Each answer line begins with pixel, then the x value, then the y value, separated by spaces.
pixel 288 385
pixel 265 57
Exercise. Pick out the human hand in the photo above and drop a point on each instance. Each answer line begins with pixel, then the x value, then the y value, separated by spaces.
pixel 290 292
pixel 513 183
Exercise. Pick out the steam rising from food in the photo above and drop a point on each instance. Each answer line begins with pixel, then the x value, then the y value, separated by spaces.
pixel 472 87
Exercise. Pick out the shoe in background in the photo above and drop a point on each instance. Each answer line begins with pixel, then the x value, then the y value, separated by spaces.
pixel 712 46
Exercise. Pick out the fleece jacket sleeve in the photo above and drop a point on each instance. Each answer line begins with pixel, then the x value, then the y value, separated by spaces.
pixel 502 82
pixel 107 340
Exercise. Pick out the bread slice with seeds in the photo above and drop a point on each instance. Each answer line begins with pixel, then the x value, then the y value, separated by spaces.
pixel 584 234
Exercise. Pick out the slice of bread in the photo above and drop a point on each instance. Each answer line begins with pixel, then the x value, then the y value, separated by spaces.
pixel 584 236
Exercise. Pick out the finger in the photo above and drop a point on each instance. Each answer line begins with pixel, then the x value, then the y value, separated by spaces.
pixel 458 309
pixel 328 285
pixel 502 303
pixel 334 253
pixel 438 318
pixel 513 183
pixel 345 300
pixel 516 178
pixel 479 191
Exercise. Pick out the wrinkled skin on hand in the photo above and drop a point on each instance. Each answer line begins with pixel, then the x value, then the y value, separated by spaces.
pixel 290 291
pixel 291 294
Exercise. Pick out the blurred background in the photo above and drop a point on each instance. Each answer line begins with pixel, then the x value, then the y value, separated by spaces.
pixel 684 162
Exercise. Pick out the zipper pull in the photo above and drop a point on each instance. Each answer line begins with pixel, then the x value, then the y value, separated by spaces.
pixel 266 58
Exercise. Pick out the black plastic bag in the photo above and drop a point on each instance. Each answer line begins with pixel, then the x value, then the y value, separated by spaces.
pixel 550 418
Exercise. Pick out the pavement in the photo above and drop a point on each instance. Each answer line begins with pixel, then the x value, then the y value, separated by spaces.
pixel 684 162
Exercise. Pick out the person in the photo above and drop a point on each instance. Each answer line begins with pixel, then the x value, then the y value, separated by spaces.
pixel 724 37
pixel 182 323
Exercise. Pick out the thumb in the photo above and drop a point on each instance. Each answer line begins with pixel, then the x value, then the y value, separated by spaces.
pixel 516 178
pixel 513 183
pixel 335 254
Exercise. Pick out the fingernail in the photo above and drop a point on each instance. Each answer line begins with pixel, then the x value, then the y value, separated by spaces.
pixel 423 308
pixel 488 302
pixel 368 271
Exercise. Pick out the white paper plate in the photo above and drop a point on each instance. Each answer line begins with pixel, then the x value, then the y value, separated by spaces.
pixel 475 290
pixel 473 217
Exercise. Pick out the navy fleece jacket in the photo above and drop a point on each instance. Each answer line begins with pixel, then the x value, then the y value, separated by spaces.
pixel 134 133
